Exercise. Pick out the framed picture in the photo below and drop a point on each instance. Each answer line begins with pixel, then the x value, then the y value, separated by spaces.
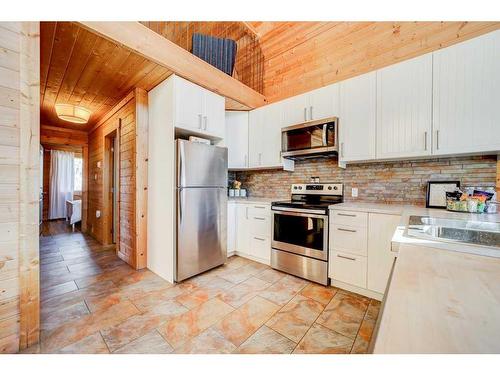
pixel 436 193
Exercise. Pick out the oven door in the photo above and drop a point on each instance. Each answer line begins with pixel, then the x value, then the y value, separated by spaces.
pixel 301 233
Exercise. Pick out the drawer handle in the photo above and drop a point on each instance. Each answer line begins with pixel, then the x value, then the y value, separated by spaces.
pixel 259 218
pixel 259 207
pixel 260 239
pixel 347 230
pixel 343 257
pixel 349 215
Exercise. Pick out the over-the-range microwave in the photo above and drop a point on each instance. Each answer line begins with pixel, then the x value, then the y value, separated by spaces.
pixel 310 139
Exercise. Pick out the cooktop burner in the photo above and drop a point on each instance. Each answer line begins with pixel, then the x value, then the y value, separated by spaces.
pixel 312 197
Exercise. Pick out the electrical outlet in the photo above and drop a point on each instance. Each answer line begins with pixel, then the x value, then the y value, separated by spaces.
pixel 354 192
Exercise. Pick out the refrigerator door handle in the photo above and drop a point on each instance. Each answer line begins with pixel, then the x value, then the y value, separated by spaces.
pixel 180 205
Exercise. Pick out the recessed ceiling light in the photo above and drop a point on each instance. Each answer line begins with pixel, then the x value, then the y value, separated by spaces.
pixel 73 113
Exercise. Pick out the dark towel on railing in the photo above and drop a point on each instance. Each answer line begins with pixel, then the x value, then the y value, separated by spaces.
pixel 219 52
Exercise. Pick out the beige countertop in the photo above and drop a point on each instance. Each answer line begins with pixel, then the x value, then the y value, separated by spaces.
pixel 443 297
pixel 379 208
pixel 256 200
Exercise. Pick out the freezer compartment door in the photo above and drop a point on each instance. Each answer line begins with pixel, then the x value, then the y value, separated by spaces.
pixel 201 165
pixel 201 230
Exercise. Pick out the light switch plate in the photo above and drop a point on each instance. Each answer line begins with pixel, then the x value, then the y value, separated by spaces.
pixel 354 192
pixel 98 214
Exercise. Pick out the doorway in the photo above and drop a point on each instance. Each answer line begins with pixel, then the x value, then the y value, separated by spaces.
pixel 111 187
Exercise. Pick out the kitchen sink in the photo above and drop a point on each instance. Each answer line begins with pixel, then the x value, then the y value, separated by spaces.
pixel 455 230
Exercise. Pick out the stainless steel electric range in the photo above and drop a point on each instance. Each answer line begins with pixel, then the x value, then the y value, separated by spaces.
pixel 300 231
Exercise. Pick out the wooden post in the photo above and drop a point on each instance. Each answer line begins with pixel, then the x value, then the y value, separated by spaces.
pixel 29 131
pixel 141 176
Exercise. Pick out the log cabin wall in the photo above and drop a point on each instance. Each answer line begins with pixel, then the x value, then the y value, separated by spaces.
pixel 19 171
pixel 124 120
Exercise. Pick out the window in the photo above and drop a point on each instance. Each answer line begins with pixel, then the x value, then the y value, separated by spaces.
pixel 78 173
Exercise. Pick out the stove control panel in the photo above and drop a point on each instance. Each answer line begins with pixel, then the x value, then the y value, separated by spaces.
pixel 318 189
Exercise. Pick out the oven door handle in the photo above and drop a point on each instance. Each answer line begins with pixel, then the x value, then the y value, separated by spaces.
pixel 297 211
pixel 325 133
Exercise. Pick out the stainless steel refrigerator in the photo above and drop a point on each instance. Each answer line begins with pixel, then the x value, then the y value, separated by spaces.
pixel 201 208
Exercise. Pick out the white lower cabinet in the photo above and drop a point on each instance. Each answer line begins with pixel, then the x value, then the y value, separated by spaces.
pixel 348 268
pixel 231 227
pixel 251 230
pixel 360 256
pixel 380 257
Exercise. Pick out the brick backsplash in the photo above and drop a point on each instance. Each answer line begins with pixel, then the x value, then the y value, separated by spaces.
pixel 385 182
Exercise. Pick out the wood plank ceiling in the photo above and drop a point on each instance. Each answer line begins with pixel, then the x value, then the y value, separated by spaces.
pixel 79 67
pixel 277 59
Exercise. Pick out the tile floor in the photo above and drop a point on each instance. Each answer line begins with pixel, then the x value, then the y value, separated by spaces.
pixel 92 302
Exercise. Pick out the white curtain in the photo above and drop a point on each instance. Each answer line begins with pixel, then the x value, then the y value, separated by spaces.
pixel 62 179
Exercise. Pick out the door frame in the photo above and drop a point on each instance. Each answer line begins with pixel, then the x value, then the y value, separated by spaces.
pixel 108 169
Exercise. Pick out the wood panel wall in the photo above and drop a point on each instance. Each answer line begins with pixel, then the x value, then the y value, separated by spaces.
pixel 302 56
pixel 130 121
pixel 19 154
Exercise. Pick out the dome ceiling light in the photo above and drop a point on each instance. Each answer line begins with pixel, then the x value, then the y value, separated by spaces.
pixel 73 113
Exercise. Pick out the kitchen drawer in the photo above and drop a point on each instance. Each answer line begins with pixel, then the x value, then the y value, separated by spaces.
pixel 359 219
pixel 260 247
pixel 259 210
pixel 348 268
pixel 260 225
pixel 353 240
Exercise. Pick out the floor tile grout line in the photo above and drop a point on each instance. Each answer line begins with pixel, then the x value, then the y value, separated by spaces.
pixel 105 343
pixel 315 320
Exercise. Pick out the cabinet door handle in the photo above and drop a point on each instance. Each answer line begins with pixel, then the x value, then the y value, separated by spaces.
pixel 349 215
pixel 259 218
pixel 199 121
pixel 437 139
pixel 246 213
pixel 260 239
pixel 246 160
pixel 260 158
pixel 425 141
pixel 347 230
pixel 305 114
pixel 344 257
pixel 311 112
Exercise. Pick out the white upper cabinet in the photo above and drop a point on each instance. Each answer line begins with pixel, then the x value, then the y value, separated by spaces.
pixel 236 139
pixel 467 96
pixel 404 109
pixel 324 102
pixel 197 109
pixel 214 114
pixel 313 105
pixel 264 136
pixel 357 118
pixel 295 110
pixel 188 105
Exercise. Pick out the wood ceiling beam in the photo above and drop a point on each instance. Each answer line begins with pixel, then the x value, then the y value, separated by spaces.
pixel 155 47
